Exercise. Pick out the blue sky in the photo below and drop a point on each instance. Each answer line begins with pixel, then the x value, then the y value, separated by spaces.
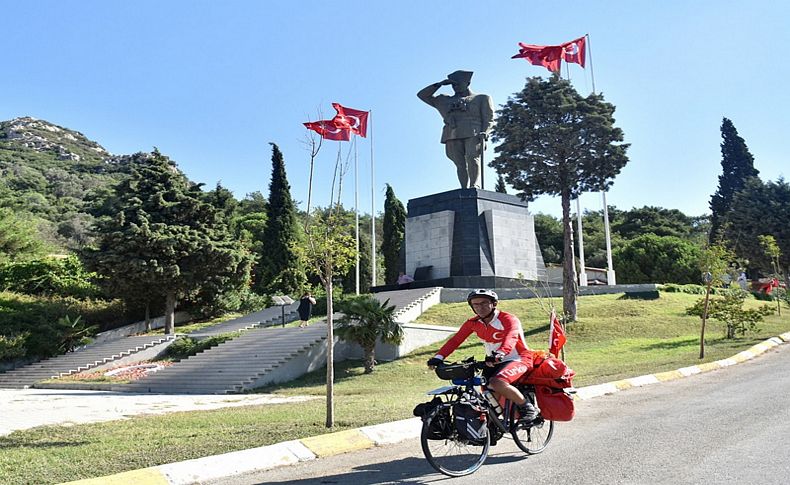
pixel 212 83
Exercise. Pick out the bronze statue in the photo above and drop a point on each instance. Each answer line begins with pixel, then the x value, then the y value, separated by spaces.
pixel 468 118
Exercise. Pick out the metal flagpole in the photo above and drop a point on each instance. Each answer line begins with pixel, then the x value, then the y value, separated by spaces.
pixel 589 51
pixel 582 269
pixel 356 210
pixel 372 207
pixel 610 276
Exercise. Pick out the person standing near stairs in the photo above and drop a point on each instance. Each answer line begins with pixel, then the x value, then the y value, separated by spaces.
pixel 305 308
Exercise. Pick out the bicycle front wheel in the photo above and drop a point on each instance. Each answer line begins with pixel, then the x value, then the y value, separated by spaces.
pixel 446 451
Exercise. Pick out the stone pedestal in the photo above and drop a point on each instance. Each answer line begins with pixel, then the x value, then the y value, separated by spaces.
pixel 471 237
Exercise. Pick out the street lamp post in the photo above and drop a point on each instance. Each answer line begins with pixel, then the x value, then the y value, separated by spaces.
pixel 282 302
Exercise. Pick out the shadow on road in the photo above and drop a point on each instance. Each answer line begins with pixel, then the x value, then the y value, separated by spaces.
pixel 412 470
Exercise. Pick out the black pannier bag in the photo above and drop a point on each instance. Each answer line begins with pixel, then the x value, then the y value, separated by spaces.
pixel 470 422
pixel 441 425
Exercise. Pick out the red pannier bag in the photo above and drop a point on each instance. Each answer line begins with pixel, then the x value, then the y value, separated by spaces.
pixel 554 404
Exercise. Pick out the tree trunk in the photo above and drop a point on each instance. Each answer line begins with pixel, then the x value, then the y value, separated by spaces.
pixel 569 288
pixel 170 312
pixel 148 316
pixel 330 353
pixel 704 319
pixel 370 358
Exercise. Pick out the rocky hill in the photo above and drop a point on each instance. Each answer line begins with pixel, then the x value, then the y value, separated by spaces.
pixel 51 174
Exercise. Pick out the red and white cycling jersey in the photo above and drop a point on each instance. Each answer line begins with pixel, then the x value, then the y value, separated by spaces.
pixel 503 334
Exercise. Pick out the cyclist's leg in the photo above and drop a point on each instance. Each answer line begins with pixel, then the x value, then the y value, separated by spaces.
pixel 502 381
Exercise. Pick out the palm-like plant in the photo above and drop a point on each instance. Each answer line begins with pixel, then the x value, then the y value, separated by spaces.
pixel 365 321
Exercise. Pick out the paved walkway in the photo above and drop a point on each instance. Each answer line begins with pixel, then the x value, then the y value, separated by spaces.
pixel 28 408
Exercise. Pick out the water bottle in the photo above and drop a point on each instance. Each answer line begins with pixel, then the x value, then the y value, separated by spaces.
pixel 493 402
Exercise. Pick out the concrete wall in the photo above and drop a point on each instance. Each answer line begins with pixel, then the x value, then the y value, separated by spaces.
pixel 139 327
pixel 456 295
pixel 151 353
pixel 429 242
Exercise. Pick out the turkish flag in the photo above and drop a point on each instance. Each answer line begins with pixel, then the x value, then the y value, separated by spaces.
pixel 558 338
pixel 352 119
pixel 329 130
pixel 574 51
pixel 548 56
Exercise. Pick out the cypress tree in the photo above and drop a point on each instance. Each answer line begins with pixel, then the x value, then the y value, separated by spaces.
pixel 394 227
pixel 737 165
pixel 280 270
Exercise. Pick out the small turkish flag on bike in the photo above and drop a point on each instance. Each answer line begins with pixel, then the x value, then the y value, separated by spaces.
pixel 557 338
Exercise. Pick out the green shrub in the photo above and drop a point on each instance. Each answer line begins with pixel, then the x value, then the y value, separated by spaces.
pixel 187 346
pixel 49 276
pixel 728 308
pixel 13 346
pixel 36 319
pixel 657 259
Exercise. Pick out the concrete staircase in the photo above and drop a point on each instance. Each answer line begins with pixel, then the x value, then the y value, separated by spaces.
pixel 246 362
pixel 268 317
pixel 409 304
pixel 79 360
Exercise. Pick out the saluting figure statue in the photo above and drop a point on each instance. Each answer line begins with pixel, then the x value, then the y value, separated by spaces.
pixel 468 118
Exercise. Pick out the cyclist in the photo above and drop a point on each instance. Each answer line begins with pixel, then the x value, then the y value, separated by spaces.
pixel 507 355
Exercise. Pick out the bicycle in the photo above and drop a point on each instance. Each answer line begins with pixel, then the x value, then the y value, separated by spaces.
pixel 453 443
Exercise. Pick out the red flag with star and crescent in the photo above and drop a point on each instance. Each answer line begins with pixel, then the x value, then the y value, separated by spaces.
pixel 574 51
pixel 551 56
pixel 329 130
pixel 558 338
pixel 548 56
pixel 353 119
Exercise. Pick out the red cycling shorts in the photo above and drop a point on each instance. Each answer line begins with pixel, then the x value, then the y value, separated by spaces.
pixel 511 371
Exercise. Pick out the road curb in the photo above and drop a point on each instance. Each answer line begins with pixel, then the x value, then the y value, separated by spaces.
pixel 314 447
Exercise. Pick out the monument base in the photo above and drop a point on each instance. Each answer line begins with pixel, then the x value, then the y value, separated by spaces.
pixel 470 282
pixel 471 238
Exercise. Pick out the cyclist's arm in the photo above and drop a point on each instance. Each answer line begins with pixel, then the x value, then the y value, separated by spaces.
pixel 456 340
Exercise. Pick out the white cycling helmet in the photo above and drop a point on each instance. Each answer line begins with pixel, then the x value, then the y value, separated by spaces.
pixel 490 294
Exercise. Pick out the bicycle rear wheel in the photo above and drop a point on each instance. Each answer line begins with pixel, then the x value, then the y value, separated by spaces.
pixel 450 454
pixel 533 437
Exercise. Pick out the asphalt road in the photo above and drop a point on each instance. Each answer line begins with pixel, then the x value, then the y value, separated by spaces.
pixel 722 427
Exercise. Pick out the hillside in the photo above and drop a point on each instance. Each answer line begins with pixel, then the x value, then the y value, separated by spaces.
pixel 50 173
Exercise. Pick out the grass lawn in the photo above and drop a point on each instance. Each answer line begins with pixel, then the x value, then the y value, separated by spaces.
pixel 613 339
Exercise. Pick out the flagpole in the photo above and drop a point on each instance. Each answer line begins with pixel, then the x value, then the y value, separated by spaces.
pixel 610 276
pixel 372 208
pixel 582 269
pixel 589 52
pixel 356 211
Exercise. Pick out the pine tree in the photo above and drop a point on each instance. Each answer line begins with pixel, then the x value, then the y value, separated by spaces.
pixel 394 228
pixel 280 270
pixel 163 241
pixel 554 141
pixel 737 165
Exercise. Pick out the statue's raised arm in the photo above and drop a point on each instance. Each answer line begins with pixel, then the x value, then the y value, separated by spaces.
pixel 468 118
